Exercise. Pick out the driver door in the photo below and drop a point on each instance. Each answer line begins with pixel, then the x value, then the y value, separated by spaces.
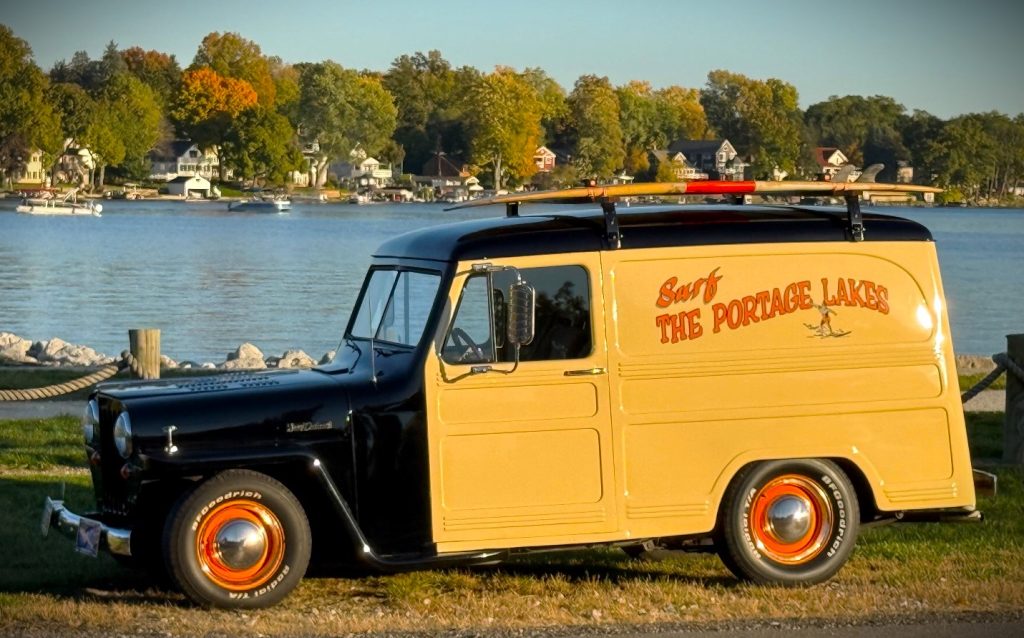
pixel 521 458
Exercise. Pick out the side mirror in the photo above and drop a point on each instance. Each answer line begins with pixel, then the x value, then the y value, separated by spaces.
pixel 522 303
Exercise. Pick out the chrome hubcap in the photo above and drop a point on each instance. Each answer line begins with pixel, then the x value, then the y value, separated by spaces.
pixel 789 518
pixel 240 544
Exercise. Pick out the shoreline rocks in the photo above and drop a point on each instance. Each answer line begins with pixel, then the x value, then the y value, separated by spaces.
pixel 16 350
pixel 55 352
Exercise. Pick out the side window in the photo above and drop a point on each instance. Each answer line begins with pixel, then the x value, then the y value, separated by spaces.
pixel 562 323
pixel 563 326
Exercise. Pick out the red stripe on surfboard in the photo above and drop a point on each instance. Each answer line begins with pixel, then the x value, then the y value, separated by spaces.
pixel 719 187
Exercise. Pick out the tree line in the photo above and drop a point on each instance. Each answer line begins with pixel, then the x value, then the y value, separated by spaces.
pixel 262 113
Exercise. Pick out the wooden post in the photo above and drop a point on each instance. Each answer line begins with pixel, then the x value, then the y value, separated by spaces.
pixel 145 347
pixel 1013 426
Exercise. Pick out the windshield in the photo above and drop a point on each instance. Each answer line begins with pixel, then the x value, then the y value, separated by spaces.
pixel 395 306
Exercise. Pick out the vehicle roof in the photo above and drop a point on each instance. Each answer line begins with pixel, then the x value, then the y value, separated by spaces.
pixel 640 227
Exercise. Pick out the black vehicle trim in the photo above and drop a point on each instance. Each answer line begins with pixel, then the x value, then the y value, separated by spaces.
pixel 641 227
pixel 365 553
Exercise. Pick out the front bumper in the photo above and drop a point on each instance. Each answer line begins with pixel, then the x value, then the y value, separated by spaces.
pixel 90 535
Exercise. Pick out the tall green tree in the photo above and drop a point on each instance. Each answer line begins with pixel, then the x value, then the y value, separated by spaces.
pixel 261 146
pixel 847 122
pixel 127 127
pixel 430 97
pixel 77 112
pixel 233 56
pixel 639 119
pixel 597 131
pixel 921 131
pixel 759 117
pixel 27 119
pixel 286 89
pixel 505 125
pixel 554 107
pixel 339 109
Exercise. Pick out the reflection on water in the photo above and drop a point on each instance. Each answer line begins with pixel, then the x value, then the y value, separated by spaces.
pixel 211 279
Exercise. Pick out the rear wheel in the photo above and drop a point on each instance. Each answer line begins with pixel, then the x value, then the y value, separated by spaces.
pixel 239 540
pixel 788 522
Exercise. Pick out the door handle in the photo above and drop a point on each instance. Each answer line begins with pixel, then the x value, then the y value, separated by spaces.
pixel 585 372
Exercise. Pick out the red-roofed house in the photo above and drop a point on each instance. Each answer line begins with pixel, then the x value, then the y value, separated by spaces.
pixel 829 161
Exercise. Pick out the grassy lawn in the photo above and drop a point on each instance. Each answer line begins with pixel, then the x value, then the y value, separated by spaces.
pixel 967 381
pixel 896 570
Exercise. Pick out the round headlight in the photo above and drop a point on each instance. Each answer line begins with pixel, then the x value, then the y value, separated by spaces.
pixel 123 435
pixel 90 419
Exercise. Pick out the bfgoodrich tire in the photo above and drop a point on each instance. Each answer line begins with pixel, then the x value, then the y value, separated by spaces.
pixel 239 540
pixel 788 522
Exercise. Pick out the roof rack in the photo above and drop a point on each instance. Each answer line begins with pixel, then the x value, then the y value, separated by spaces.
pixel 851 192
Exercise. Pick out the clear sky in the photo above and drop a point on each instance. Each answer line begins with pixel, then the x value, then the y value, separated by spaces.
pixel 947 57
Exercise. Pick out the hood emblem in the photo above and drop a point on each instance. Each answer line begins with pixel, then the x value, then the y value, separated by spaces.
pixel 308 426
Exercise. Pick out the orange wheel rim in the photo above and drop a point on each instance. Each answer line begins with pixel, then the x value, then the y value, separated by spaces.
pixel 240 545
pixel 791 519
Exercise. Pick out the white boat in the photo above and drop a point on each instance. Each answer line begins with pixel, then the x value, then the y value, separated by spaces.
pixel 259 203
pixel 66 205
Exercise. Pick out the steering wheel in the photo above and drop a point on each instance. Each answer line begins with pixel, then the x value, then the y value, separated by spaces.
pixel 471 352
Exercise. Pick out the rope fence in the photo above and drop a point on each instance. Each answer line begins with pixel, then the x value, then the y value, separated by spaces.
pixel 127 360
pixel 1003 363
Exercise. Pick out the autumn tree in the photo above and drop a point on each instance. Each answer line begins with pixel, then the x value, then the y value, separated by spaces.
pixel 760 117
pixel 27 119
pixel 597 131
pixel 679 114
pixel 339 108
pixel 206 105
pixel 159 71
pixel 233 56
pixel 505 125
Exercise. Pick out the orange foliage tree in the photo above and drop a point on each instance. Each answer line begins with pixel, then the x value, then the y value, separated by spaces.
pixel 207 104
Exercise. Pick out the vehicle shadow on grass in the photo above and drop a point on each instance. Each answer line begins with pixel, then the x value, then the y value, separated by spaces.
pixel 50 566
pixel 608 566
pixel 33 564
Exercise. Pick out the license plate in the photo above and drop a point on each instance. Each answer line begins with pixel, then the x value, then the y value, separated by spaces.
pixel 88 540
pixel 47 517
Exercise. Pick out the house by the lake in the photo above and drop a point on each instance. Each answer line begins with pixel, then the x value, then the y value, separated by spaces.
pixel 194 186
pixel 681 168
pixel 716 158
pixel 829 160
pixel 183 158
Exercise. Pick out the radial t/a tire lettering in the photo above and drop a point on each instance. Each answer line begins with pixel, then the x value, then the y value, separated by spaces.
pixel 788 522
pixel 239 540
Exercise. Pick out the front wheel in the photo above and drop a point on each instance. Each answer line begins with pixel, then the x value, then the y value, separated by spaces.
pixel 239 540
pixel 788 522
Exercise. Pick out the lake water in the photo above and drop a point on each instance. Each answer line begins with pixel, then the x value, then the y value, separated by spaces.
pixel 211 279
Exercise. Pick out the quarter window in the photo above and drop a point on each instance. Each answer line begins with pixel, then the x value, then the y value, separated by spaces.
pixel 395 306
